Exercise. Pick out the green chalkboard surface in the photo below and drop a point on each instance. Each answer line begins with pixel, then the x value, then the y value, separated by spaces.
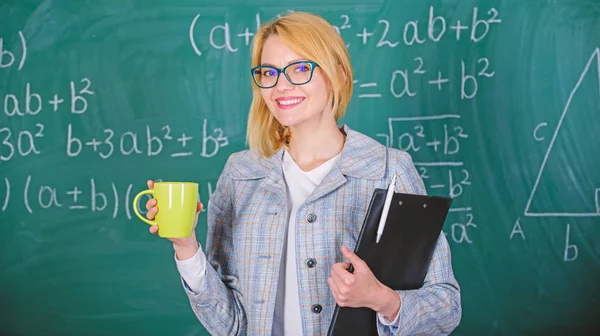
pixel 498 102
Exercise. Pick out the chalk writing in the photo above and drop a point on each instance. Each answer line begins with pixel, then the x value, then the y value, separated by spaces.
pixel 571 250
pixel 438 137
pixel 434 28
pixel 22 143
pixel 594 61
pixel 41 193
pixel 8 57
pixel 32 103
pixel 150 143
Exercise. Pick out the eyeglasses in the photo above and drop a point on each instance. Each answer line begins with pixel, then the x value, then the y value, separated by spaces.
pixel 297 73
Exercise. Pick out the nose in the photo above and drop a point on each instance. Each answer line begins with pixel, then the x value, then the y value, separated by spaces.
pixel 283 84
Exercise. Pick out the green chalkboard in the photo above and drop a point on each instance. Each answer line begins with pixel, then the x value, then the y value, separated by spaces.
pixel 498 102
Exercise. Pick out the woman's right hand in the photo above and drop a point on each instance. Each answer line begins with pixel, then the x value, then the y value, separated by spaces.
pixel 185 248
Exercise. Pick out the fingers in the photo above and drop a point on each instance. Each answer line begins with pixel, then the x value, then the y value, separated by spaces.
pixel 340 274
pixel 335 291
pixel 151 203
pixel 352 258
pixel 341 267
pixel 152 213
pixel 152 208
pixel 199 208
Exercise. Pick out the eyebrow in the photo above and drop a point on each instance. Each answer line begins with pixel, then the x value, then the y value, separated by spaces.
pixel 290 62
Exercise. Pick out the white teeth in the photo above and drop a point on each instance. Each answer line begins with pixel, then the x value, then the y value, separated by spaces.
pixel 290 101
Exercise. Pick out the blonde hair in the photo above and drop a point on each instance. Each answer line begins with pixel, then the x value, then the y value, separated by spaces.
pixel 309 36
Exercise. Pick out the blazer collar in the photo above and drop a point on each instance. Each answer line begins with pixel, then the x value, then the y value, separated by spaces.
pixel 361 157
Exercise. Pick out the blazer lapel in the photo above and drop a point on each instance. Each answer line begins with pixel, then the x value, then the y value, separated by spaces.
pixel 361 157
pixel 274 181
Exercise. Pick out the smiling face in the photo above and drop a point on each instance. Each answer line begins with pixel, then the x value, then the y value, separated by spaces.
pixel 285 109
pixel 294 105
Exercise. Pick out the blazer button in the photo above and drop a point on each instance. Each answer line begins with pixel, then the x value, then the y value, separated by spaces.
pixel 311 218
pixel 317 308
pixel 311 263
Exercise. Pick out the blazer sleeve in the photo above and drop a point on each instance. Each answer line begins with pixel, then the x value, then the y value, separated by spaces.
pixel 435 308
pixel 220 306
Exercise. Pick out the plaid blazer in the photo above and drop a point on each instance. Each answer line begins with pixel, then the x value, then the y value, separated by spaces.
pixel 247 219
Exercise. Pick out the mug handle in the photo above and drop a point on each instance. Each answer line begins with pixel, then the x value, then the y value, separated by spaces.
pixel 135 206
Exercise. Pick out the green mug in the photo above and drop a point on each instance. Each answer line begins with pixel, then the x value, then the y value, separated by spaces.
pixel 177 205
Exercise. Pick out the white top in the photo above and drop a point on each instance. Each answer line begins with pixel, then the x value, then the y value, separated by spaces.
pixel 300 184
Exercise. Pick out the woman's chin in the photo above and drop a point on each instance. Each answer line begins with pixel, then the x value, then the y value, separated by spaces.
pixel 287 122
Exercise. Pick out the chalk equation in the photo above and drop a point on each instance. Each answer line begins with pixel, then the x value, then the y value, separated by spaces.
pixel 151 142
pixel 384 33
pixel 425 134
pixel 400 82
pixel 31 103
pixel 440 138
pixel 37 194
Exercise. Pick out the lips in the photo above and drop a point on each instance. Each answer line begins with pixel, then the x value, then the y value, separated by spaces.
pixel 288 102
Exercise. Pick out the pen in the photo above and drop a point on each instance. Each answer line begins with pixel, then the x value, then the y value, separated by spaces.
pixel 386 208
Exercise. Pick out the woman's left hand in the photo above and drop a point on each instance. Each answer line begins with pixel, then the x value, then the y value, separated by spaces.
pixel 361 288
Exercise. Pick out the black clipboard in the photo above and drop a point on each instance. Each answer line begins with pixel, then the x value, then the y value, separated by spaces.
pixel 401 258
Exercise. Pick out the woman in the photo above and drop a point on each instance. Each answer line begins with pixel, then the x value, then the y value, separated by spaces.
pixel 286 213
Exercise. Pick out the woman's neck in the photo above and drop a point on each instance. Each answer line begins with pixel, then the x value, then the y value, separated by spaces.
pixel 311 146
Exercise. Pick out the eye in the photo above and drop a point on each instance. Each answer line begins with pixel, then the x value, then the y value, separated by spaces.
pixel 302 67
pixel 269 72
